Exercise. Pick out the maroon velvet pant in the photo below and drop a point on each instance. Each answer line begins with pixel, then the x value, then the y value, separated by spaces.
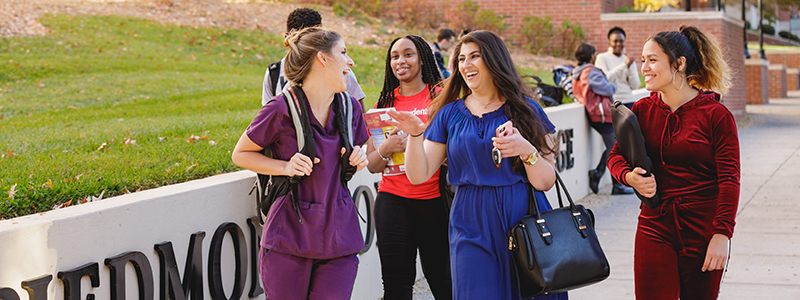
pixel 671 244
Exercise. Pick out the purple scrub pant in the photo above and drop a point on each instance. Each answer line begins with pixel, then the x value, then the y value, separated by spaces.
pixel 289 277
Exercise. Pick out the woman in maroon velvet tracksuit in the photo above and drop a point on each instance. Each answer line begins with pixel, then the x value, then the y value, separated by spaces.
pixel 682 246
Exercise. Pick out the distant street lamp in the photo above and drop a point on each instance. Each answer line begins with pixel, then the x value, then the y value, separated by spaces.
pixel 761 26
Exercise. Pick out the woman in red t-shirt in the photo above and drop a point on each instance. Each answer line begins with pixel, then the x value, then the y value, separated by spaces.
pixel 409 217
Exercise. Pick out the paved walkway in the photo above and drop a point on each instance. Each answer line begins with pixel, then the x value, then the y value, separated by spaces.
pixel 764 250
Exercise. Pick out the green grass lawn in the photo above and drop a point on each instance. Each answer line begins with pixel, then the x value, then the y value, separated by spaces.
pixel 109 105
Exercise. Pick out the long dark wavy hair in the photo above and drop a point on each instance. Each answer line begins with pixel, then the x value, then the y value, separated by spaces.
pixel 430 72
pixel 508 83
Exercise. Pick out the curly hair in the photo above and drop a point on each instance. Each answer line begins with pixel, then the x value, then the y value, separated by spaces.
pixel 430 72
pixel 302 18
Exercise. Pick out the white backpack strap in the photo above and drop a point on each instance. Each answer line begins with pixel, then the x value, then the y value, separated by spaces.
pixel 295 111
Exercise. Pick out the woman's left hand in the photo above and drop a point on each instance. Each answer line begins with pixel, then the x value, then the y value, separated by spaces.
pixel 512 144
pixel 358 157
pixel 717 253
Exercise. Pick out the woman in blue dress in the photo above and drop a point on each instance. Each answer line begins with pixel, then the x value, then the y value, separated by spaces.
pixel 484 105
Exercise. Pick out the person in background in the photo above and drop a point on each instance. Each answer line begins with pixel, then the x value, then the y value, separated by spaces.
pixel 409 218
pixel 484 105
pixel 682 247
pixel 315 258
pixel 620 69
pixel 445 38
pixel 585 77
pixel 297 20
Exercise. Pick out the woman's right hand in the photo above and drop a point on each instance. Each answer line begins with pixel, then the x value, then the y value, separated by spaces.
pixel 406 121
pixel 646 186
pixel 395 142
pixel 299 165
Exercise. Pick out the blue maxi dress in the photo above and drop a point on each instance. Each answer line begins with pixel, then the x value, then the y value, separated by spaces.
pixel 487 203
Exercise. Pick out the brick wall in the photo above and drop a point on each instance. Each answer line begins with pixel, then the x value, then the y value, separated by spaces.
pixel 777 81
pixel 789 58
pixel 757 78
pixel 792 79
pixel 585 12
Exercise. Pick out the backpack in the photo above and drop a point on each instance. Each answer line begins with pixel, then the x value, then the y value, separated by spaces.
pixel 550 95
pixel 562 76
pixel 269 188
pixel 274 73
pixel 598 107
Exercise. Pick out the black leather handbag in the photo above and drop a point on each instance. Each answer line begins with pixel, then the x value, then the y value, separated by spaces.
pixel 630 144
pixel 556 251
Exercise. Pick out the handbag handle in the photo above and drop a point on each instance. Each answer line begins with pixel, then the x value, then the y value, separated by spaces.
pixel 533 210
pixel 533 205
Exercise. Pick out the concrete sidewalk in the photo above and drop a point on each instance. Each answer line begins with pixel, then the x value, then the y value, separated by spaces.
pixel 764 250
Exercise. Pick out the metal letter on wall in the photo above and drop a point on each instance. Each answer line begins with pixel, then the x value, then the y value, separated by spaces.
pixel 363 191
pixel 8 294
pixel 255 246
pixel 37 287
pixel 144 274
pixel 170 285
pixel 72 280
pixel 564 159
pixel 215 262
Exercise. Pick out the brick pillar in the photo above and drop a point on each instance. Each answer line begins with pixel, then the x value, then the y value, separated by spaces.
pixel 792 79
pixel 777 81
pixel 757 81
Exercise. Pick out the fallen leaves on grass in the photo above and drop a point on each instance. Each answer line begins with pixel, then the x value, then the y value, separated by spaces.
pixel 161 139
pixel 62 205
pixel 193 138
pixel 9 155
pixel 11 192
pixel 128 141
pixel 49 183
pixel 212 143
pixel 102 147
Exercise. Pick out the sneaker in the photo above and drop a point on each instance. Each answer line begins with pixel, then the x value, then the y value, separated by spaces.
pixel 620 189
pixel 594 180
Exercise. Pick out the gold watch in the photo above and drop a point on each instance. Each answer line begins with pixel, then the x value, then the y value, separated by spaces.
pixel 533 158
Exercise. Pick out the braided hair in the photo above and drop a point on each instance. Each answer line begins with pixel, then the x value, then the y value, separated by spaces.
pixel 430 72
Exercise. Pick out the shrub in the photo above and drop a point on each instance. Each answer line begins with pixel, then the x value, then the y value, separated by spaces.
pixel 747 25
pixel 535 34
pixel 795 38
pixel 469 15
pixel 569 35
pixel 627 9
pixel 414 14
pixel 768 29
pixel 785 34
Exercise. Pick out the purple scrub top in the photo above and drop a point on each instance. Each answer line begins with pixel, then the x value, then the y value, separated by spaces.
pixel 330 225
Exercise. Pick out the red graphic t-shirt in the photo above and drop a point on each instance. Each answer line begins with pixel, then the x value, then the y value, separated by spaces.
pixel 399 184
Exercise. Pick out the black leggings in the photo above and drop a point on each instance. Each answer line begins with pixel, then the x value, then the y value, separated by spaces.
pixel 403 225
pixel 607 131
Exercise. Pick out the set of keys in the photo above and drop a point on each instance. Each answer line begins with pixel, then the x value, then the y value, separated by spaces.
pixel 501 131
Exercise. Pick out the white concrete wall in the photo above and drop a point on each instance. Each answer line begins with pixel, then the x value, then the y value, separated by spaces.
pixel 64 239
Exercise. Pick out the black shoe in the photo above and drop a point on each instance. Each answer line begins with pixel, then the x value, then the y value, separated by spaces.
pixel 620 189
pixel 594 180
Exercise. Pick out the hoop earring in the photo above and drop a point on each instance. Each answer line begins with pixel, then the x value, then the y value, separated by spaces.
pixel 673 81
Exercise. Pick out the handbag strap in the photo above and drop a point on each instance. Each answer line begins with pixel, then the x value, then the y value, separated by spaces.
pixel 533 205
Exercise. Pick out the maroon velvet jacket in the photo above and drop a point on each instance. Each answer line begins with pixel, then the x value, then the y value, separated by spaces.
pixel 695 153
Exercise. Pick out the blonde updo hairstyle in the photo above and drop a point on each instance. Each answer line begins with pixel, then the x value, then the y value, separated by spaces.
pixel 303 48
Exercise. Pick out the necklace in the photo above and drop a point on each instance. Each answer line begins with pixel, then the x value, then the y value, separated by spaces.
pixel 485 106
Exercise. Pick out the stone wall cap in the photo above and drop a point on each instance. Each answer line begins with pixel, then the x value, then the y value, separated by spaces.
pixel 792 71
pixel 680 15
pixel 756 61
pixel 777 67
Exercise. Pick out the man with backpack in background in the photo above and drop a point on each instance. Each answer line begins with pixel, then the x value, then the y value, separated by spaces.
pixel 274 80
pixel 620 69
pixel 445 38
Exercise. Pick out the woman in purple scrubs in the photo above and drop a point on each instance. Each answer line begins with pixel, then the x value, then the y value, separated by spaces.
pixel 315 259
